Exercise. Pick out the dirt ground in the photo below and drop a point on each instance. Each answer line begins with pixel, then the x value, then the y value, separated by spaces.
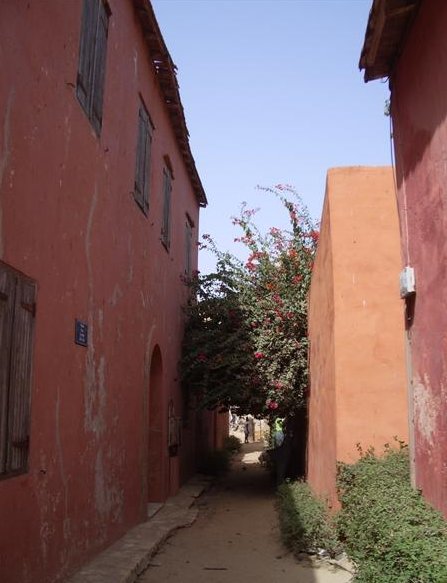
pixel 235 538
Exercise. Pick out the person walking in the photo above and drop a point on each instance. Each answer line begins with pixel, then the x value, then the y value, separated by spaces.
pixel 251 427
pixel 246 428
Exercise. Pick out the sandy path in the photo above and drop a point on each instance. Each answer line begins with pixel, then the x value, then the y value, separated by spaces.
pixel 235 538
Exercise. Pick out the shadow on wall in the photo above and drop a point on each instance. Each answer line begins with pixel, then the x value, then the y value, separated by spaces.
pixel 418 108
pixel 155 417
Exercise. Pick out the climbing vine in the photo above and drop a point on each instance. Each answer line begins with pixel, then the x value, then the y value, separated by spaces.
pixel 246 341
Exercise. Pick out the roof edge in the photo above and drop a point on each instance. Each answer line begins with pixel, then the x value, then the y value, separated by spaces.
pixel 166 75
pixel 388 24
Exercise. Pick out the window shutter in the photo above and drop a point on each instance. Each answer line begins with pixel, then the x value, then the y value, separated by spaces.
pixel 188 248
pixel 168 212
pixel 163 218
pixel 99 69
pixel 20 376
pixel 167 188
pixel 7 293
pixel 142 160
pixel 147 161
pixel 87 51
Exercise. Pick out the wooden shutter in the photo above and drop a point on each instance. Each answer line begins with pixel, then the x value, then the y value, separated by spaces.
pixel 99 71
pixel 166 222
pixel 20 376
pixel 87 52
pixel 147 163
pixel 188 248
pixel 7 300
pixel 142 178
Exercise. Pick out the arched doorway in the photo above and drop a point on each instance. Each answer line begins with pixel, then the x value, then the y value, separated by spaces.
pixel 155 472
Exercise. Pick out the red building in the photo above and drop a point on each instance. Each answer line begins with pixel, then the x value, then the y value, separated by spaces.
pixel 406 41
pixel 99 211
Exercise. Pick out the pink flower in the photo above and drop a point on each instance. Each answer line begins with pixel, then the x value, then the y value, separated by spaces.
pixel 250 266
pixel 201 357
pixel 259 355
pixel 314 235
pixel 272 405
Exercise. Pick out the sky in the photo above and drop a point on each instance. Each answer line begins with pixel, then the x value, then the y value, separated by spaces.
pixel 272 94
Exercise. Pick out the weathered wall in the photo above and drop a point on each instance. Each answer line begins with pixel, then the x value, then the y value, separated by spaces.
pixel 68 219
pixel 356 309
pixel 419 112
pixel 222 428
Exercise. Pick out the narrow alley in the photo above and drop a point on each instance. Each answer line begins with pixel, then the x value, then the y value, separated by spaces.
pixel 236 537
pixel 184 283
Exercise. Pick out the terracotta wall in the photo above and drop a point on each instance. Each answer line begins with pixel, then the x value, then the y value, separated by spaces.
pixel 68 219
pixel 419 113
pixel 357 363
pixel 222 428
pixel 321 449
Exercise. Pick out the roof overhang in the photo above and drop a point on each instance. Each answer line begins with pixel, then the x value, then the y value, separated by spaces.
pixel 388 24
pixel 165 72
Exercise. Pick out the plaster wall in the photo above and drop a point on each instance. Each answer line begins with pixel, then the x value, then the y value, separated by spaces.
pixel 322 446
pixel 369 333
pixel 366 400
pixel 419 114
pixel 68 219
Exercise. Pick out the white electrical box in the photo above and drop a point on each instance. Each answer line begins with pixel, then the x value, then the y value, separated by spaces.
pixel 407 282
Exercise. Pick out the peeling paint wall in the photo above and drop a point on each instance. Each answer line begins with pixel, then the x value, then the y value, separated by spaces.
pixel 356 330
pixel 68 219
pixel 419 112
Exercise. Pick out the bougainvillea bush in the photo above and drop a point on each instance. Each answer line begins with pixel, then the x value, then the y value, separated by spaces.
pixel 246 333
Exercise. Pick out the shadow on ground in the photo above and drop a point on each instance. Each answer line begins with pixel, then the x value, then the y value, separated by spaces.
pixel 236 536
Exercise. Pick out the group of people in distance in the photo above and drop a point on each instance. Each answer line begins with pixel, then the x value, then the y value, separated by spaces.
pixel 248 423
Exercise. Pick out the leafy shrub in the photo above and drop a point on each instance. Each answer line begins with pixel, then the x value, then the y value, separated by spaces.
pixel 232 444
pixel 389 530
pixel 215 462
pixel 304 521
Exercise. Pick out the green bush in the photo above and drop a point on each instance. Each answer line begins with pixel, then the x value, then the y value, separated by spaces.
pixel 215 462
pixel 304 521
pixel 232 444
pixel 389 530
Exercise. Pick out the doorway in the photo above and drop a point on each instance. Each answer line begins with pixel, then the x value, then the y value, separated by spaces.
pixel 155 473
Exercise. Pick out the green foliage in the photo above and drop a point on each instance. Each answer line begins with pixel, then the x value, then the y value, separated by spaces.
pixel 304 521
pixel 232 444
pixel 246 334
pixel 215 462
pixel 389 530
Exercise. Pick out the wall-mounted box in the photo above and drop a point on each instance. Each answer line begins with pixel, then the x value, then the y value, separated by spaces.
pixel 407 282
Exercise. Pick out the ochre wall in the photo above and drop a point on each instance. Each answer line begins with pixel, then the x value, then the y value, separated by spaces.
pixel 363 327
pixel 68 219
pixel 322 449
pixel 419 111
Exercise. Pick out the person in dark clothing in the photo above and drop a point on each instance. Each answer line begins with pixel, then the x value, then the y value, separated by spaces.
pixel 246 429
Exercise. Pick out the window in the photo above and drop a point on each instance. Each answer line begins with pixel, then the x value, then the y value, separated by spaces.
pixel 166 219
pixel 142 168
pixel 17 314
pixel 92 60
pixel 188 245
